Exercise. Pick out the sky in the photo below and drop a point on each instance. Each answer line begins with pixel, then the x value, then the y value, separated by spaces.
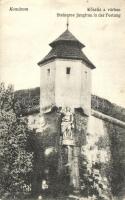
pixel 25 38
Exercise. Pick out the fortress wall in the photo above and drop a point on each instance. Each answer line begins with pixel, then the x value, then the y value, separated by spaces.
pixel 100 137
pixel 106 145
pixel 46 137
pixel 97 140
pixel 117 147
pixel 47 126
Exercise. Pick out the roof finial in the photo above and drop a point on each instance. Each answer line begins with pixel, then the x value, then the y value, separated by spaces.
pixel 67 22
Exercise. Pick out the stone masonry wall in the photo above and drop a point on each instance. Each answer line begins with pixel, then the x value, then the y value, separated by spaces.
pixel 101 142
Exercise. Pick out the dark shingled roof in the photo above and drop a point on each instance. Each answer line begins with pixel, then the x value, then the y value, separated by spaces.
pixel 68 47
pixel 67 36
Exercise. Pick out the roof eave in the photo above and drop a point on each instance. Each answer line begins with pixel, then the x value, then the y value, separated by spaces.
pixel 42 62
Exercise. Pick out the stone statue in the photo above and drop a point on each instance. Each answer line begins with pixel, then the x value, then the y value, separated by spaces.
pixel 67 124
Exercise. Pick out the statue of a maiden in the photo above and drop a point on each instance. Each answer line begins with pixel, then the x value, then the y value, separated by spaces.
pixel 67 124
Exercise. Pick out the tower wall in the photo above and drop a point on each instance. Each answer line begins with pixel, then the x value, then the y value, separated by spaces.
pixel 74 89
pixel 68 86
pixel 47 86
pixel 86 82
pixel 65 89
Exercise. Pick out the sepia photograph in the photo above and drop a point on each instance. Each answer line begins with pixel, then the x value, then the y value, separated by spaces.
pixel 62 100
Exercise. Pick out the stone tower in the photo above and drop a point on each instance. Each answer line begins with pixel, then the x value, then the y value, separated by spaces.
pixel 66 75
pixel 65 84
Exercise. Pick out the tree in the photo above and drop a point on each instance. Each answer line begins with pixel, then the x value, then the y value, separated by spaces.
pixel 15 160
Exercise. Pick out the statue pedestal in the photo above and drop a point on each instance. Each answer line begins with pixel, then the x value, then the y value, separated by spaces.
pixel 68 142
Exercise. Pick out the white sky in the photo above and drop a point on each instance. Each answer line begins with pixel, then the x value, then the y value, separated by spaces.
pixel 24 39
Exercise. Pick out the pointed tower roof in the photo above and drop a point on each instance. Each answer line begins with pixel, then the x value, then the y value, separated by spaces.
pixel 67 36
pixel 67 46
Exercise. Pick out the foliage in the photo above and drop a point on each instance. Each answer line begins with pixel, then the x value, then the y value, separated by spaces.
pixel 15 161
pixel 108 108
pixel 92 183
pixel 28 100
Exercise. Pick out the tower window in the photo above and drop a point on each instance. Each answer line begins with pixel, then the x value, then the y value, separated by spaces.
pixel 48 71
pixel 68 70
pixel 85 74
